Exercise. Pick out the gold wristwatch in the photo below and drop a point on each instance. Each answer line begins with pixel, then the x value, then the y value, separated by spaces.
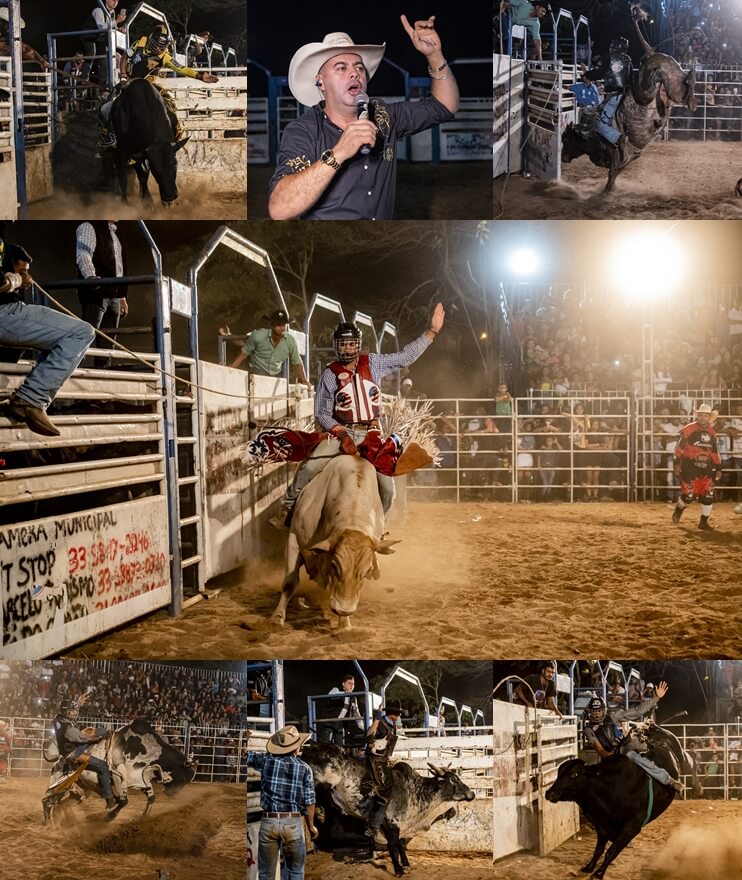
pixel 328 157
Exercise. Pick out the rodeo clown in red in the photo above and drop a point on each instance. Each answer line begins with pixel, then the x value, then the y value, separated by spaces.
pixel 697 465
pixel 348 405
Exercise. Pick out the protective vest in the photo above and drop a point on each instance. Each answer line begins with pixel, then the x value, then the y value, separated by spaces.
pixel 381 745
pixel 61 725
pixel 358 397
pixel 90 24
pixel 145 62
pixel 618 73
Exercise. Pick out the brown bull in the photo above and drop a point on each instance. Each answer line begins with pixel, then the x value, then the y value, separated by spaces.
pixel 336 532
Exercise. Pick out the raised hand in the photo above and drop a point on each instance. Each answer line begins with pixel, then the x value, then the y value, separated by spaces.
pixel 423 35
pixel 439 315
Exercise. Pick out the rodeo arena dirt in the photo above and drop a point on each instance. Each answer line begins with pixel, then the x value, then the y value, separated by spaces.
pixel 182 816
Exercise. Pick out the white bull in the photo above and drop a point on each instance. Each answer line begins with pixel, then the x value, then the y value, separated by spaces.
pixel 336 532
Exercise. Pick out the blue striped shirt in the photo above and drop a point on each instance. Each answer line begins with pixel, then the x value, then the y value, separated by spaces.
pixel 379 364
pixel 286 782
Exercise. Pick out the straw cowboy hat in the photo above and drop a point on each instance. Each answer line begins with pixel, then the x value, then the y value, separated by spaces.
pixel 705 409
pixel 286 740
pixel 5 15
pixel 308 59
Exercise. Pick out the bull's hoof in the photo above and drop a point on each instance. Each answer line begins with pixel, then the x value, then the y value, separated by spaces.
pixel 343 624
pixel 277 620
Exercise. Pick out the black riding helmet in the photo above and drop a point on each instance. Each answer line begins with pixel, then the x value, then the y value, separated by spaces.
pixel 159 39
pixel 67 706
pixel 346 332
pixel 619 44
pixel 595 706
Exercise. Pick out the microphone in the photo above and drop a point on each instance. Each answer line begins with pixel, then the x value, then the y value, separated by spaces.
pixel 362 113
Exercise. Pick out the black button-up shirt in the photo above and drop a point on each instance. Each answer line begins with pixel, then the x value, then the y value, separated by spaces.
pixel 364 188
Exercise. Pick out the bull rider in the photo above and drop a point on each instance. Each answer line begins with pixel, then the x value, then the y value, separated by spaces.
pixel 348 405
pixel 376 787
pixel 602 731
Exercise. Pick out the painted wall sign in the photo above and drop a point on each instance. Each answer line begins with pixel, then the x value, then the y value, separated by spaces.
pixel 69 578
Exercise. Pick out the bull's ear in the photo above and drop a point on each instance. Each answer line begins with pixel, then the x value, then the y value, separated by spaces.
pixel 384 547
pixel 181 143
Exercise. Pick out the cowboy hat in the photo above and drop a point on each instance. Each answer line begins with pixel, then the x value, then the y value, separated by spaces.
pixel 4 15
pixel 394 707
pixel 308 59
pixel 286 740
pixel 704 408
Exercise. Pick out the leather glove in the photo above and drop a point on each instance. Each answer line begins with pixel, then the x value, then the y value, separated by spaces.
pixel 346 443
pixel 14 280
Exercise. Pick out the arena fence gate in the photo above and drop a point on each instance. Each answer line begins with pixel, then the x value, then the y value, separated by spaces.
pixel 144 497
pixel 532 106
pixel 217 750
pixel 623 456
pixel 529 746
pixel 717 749
pixel 718 116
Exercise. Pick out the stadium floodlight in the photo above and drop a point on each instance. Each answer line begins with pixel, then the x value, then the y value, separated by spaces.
pixel 524 262
pixel 648 265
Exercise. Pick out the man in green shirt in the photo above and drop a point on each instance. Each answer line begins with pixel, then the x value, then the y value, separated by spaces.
pixel 266 350
pixel 528 13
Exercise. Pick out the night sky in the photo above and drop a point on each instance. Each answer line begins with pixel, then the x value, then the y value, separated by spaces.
pixel 305 677
pixel 466 32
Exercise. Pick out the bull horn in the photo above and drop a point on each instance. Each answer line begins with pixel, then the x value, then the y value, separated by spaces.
pixel 384 547
pixel 322 546
pixel 436 771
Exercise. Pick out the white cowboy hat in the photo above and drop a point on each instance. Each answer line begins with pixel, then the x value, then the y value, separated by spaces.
pixel 309 58
pixel 4 14
pixel 286 740
pixel 704 408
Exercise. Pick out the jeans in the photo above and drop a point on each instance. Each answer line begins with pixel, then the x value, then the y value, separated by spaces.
pixel 278 835
pixel 101 769
pixel 61 340
pixel 607 112
pixel 320 458
pixel 649 767
pixel 104 313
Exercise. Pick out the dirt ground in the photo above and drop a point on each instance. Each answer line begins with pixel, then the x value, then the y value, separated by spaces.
pixel 672 179
pixel 431 866
pixel 693 840
pixel 447 191
pixel 195 203
pixel 196 834
pixel 488 581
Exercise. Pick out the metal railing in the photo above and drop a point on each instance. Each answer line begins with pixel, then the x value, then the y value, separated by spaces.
pixel 619 453
pixel 719 113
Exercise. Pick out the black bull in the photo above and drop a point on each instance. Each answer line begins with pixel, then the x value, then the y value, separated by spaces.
pixel 614 794
pixel 144 134
pixel 414 804
pixel 643 113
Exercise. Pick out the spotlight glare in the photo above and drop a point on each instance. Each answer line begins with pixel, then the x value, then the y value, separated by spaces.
pixel 648 265
pixel 524 262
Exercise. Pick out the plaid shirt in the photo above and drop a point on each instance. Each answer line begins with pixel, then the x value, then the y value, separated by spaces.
pixel 286 782
pixel 379 364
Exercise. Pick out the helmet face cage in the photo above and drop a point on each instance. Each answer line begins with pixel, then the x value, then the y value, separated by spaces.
pixel 159 39
pixel 66 707
pixel 596 706
pixel 343 334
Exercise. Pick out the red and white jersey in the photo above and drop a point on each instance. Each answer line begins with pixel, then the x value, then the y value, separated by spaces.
pixel 358 397
pixel 697 450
